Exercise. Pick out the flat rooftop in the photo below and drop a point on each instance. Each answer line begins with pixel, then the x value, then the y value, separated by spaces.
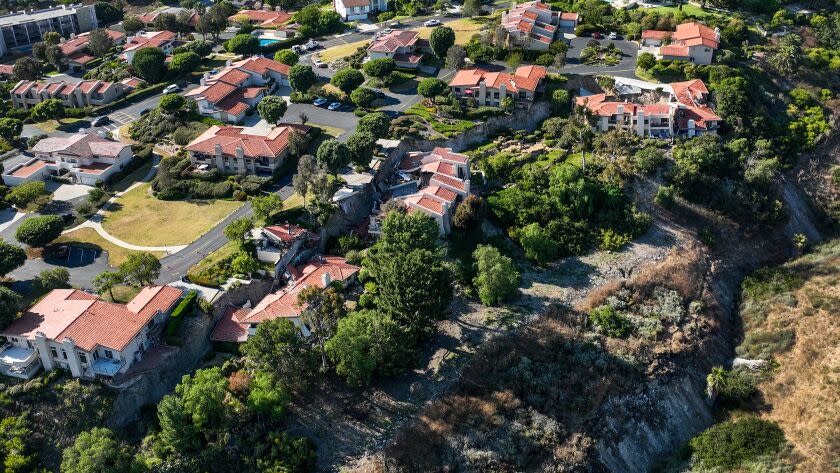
pixel 26 17
pixel 28 170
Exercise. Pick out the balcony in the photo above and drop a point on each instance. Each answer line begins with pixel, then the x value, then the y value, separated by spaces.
pixel 106 367
pixel 19 362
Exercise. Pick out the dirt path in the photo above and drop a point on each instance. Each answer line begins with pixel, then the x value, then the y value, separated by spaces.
pixel 348 424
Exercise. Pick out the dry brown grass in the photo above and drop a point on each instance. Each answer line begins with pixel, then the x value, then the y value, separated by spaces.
pixel 804 394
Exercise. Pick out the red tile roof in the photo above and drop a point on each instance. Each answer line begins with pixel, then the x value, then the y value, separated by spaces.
pixel 693 30
pixel 674 50
pixel 232 137
pixel 390 42
pixel 7 69
pixel 656 34
pixel 494 80
pixel 448 181
pixel 286 231
pixel 264 18
pixel 441 193
pixel 230 328
pixel 568 16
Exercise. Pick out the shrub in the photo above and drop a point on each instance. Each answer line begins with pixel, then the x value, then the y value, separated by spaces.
pixel 39 231
pixel 26 193
pixel 544 60
pixel 611 240
pixel 379 68
pixel 730 444
pixel 735 388
pixel 610 322
pixel 537 243
pixel 178 314
pixel 664 197
pixel 470 213
pixel 646 61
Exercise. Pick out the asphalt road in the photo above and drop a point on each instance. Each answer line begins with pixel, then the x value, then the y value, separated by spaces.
pixel 625 68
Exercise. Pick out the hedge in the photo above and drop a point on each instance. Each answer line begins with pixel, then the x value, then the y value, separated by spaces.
pixel 177 317
pixel 135 96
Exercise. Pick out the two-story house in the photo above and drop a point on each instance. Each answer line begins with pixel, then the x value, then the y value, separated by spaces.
pixel 237 324
pixel 75 50
pixel 692 41
pixel 89 337
pixel 359 9
pixel 26 94
pixel 491 88
pixel 262 18
pixel 149 19
pixel 166 41
pixel 278 244
pixel 235 150
pixel 405 47
pixel 531 25
pixel 232 92
pixel 84 158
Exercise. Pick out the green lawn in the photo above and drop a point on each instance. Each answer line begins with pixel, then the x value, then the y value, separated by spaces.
pixel 688 9
pixel 142 219
pixel 135 176
pixel 51 126
pixel 208 270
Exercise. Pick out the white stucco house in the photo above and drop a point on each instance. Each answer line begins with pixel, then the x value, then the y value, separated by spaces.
pixel 359 9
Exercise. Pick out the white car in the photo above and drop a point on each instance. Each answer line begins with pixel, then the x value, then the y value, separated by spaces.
pixel 431 23
pixel 613 35
pixel 171 89
pixel 387 30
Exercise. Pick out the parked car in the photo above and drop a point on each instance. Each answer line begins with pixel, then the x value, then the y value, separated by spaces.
pixel 319 63
pixel 99 121
pixel 320 102
pixel 312 45
pixel 387 30
pixel 145 111
pixel 334 106
pixel 171 89
pixel 431 22
pixel 299 48
pixel 613 35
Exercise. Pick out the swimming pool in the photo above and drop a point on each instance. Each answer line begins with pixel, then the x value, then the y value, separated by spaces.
pixel 266 42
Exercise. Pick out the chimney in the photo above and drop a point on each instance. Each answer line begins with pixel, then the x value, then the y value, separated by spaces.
pixel 326 278
pixel 717 34
pixel 228 63
pixel 467 186
pixel 218 150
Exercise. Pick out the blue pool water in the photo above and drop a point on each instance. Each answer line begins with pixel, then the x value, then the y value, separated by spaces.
pixel 266 42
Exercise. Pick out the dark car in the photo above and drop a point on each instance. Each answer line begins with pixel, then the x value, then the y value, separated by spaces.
pixel 145 111
pixel 99 121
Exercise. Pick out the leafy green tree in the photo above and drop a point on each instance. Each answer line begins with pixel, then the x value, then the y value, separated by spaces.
pixel 140 269
pixel 184 63
pixel 243 44
pixel 301 77
pixel 55 278
pixel 107 13
pixel 311 178
pixel 363 97
pixel 39 231
pixel 150 64
pixel 377 124
pixel 308 16
pixel 26 68
pixel 287 57
pixel 172 102
pixel 14 436
pixel 610 322
pixel 367 343
pixel 107 281
pixel 272 109
pixel 646 61
pixel 333 155
pixel 537 243
pixel 324 307
pixel 11 257
pixel 10 302
pixel 244 263
pixel 729 445
pixel 733 103
pixel 132 24
pixel 441 39
pixel 360 146
pixel 50 109
pixel 497 277
pixel 194 415
pixel 265 206
pixel 288 454
pixel 403 232
pixel 380 68
pixel 239 229
pixel 456 57
pixel 279 348
pixel 99 43
pixel 347 79
pixel 10 128
pixel 96 451
pixel 471 8
pixel 177 433
pixel 432 87
pixel 788 55
pixel 267 397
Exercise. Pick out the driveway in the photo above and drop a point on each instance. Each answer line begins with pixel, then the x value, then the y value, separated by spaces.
pixel 83 264
pixel 625 68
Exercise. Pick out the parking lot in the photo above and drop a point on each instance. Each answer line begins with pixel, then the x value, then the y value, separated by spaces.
pixel 71 256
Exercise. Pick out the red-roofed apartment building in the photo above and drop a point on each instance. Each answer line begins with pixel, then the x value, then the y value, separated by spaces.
pixel 229 94
pixel 234 150
pixel 75 50
pixel 432 182
pixel 26 94
pixel 532 25
pixel 405 47
pixel 84 158
pixel 685 113
pixel 693 42
pixel 89 337
pixel 490 88
pixel 359 9
pixel 237 324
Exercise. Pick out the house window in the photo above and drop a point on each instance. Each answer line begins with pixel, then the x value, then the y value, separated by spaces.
pixel 53 352
pixel 63 353
pixel 95 355
pixel 109 354
pixel 82 357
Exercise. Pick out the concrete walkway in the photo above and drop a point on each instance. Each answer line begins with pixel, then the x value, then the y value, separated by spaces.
pixel 95 221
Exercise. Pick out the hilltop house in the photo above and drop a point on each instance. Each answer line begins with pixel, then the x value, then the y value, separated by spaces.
pixel 83 158
pixel 166 41
pixel 75 49
pixel 278 244
pixel 531 25
pixel 491 88
pixel 692 41
pixel 85 335
pixel 685 112
pixel 432 182
pixel 237 324
pixel 405 47
pixel 232 92
pixel 358 9
pixel 26 94
pixel 237 150
pixel 20 30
